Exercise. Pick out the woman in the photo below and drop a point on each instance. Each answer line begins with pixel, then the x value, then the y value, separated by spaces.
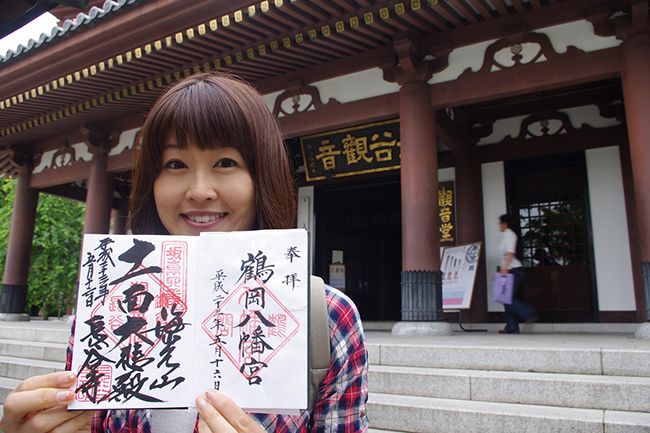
pixel 518 311
pixel 210 157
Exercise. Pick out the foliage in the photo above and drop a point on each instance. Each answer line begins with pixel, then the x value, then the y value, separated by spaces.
pixel 55 249
pixel 553 233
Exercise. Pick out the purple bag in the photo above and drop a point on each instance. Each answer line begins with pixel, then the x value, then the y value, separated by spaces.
pixel 503 286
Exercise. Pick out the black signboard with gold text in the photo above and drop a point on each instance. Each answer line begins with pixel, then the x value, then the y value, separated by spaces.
pixel 363 149
pixel 447 213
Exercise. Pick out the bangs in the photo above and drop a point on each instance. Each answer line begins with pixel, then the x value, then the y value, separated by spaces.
pixel 206 116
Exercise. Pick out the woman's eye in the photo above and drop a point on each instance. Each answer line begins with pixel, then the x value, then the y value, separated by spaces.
pixel 226 162
pixel 175 164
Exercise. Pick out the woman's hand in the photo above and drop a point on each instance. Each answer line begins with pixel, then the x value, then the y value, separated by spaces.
pixel 39 403
pixel 219 414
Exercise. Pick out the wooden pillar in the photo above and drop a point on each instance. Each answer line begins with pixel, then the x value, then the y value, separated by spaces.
pixel 119 217
pixel 13 298
pixel 421 284
pixel 636 93
pixel 99 197
pixel 419 179
pixel 470 228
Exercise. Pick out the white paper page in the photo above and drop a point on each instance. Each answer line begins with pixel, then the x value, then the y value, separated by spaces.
pixel 149 308
pixel 133 343
pixel 255 318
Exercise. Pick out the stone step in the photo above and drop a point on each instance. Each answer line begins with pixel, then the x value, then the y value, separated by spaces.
pixel 609 328
pixel 33 350
pixel 567 360
pixel 59 333
pixel 22 368
pixel 433 415
pixel 543 389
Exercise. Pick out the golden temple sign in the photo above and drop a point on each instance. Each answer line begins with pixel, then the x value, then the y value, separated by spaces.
pixel 346 152
pixel 447 213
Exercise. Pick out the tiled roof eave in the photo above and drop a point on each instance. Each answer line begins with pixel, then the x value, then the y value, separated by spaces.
pixel 82 21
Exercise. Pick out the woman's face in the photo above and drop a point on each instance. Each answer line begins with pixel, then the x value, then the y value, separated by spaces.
pixel 204 190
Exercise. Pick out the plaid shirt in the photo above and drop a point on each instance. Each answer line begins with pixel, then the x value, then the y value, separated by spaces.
pixel 342 396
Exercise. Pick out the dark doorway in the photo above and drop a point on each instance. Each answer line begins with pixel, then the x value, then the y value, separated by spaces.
pixel 550 198
pixel 364 221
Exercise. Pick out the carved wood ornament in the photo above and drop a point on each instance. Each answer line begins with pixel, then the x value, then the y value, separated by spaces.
pixel 529 125
pixel 63 157
pixel 295 95
pixel 516 42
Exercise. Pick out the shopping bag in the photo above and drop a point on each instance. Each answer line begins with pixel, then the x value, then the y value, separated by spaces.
pixel 503 287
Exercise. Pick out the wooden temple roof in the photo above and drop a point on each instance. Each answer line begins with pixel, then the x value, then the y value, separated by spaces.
pixel 104 70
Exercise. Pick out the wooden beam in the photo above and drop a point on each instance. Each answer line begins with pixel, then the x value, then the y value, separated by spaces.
pixel 342 115
pixel 68 191
pixel 563 143
pixel 79 171
pixel 68 174
pixel 563 71
pixel 451 135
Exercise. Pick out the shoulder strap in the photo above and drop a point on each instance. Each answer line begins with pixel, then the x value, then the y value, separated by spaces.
pixel 319 337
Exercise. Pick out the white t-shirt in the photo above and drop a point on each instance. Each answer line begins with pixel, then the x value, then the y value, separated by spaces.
pixel 509 245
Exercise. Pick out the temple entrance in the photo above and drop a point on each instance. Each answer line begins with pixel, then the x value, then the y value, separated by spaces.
pixel 363 221
pixel 550 198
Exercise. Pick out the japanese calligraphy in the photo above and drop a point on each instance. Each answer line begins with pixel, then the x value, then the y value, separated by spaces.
pixel 177 314
pixel 446 212
pixel 358 150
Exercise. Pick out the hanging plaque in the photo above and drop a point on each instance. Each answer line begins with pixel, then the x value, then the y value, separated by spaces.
pixel 363 149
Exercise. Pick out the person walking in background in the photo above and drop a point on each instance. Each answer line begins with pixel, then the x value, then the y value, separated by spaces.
pixel 518 311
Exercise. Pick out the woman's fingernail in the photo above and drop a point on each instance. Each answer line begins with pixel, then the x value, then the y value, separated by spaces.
pixel 66 378
pixel 201 403
pixel 64 395
pixel 211 393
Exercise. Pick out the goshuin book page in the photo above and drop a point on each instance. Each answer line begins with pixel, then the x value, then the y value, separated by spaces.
pixel 160 319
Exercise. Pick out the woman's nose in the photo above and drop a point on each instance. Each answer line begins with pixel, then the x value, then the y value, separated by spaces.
pixel 202 187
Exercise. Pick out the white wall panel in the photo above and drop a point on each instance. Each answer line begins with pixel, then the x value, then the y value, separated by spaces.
pixel 609 223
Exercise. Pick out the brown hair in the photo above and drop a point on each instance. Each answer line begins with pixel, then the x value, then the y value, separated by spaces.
pixel 211 110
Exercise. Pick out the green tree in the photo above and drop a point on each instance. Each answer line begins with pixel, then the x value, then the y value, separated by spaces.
pixel 55 249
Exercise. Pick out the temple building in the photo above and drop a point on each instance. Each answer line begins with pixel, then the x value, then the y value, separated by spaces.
pixel 413 125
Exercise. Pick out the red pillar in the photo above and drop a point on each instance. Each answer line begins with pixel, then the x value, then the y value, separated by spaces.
pixel 13 298
pixel 99 198
pixel 636 92
pixel 419 178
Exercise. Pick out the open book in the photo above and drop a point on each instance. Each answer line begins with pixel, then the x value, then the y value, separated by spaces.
pixel 160 319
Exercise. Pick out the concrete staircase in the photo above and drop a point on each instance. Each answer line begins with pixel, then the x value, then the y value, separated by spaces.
pixel 30 350
pixel 509 383
pixel 470 382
